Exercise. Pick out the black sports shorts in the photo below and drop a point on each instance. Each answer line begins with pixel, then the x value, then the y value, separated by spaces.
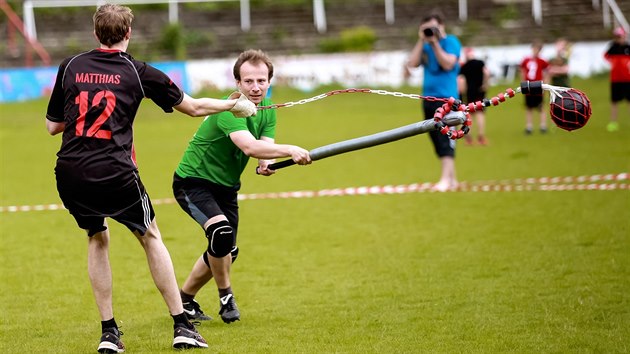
pixel 475 95
pixel 443 145
pixel 203 200
pixel 90 203
pixel 619 91
pixel 533 101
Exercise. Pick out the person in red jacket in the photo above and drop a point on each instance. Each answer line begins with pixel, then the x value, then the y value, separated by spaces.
pixel 618 55
pixel 532 69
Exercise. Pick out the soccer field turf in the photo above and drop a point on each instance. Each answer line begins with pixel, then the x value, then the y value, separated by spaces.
pixel 472 271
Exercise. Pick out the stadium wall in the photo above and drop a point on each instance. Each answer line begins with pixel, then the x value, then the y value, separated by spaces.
pixel 307 72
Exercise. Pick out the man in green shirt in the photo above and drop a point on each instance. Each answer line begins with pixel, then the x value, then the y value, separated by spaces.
pixel 207 180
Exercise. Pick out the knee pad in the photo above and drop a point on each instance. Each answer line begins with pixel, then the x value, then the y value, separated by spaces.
pixel 220 237
pixel 234 253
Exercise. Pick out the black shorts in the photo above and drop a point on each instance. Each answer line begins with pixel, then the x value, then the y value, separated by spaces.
pixel 443 145
pixel 203 200
pixel 90 203
pixel 619 91
pixel 475 95
pixel 533 101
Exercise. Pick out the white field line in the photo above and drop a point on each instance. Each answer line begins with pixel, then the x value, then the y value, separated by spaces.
pixel 608 182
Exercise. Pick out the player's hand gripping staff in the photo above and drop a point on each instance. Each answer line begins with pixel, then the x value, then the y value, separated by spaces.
pixel 298 156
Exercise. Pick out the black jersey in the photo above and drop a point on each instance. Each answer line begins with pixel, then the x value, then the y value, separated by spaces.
pixel 97 95
pixel 473 71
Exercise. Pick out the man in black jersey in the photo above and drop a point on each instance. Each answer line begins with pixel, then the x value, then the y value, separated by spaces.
pixel 94 103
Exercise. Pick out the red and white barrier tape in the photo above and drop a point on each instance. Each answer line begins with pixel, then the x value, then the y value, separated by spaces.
pixel 608 182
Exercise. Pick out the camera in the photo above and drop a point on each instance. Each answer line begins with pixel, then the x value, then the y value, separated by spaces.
pixel 431 31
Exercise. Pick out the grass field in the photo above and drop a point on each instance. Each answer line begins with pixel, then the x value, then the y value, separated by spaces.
pixel 526 272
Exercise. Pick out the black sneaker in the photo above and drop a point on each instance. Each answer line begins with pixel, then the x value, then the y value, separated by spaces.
pixel 110 342
pixel 187 338
pixel 229 312
pixel 194 313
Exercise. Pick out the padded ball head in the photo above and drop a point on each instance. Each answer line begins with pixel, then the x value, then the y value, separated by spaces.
pixel 532 88
pixel 570 110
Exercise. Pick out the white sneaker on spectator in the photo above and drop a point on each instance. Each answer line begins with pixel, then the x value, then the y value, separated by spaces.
pixel 441 186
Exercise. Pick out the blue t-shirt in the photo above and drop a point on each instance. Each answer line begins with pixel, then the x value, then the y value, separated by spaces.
pixel 437 81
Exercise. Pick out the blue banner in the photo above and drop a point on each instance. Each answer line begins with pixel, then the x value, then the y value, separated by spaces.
pixel 24 84
pixel 176 71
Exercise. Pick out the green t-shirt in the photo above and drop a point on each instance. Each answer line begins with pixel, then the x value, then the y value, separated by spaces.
pixel 212 155
pixel 559 79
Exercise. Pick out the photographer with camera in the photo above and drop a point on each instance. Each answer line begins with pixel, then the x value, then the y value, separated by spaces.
pixel 439 53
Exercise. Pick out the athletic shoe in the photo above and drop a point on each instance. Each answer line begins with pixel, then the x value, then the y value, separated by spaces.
pixel 187 338
pixel 229 312
pixel 110 341
pixel 194 313
pixel 543 130
pixel 612 126
pixel 528 131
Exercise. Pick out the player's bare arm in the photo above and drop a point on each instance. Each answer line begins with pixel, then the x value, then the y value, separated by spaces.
pixel 262 149
pixel 200 107
pixel 55 128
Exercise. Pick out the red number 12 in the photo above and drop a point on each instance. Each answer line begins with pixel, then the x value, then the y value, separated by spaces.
pixel 95 130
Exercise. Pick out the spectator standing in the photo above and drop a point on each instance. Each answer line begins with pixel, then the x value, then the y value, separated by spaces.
pixel 559 64
pixel 533 69
pixel 438 52
pixel 474 77
pixel 618 55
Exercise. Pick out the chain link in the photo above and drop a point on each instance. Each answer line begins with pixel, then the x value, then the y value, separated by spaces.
pixel 408 95
pixel 353 90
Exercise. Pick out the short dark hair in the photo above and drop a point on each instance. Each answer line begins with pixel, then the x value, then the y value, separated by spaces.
pixel 436 17
pixel 254 56
pixel 111 23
